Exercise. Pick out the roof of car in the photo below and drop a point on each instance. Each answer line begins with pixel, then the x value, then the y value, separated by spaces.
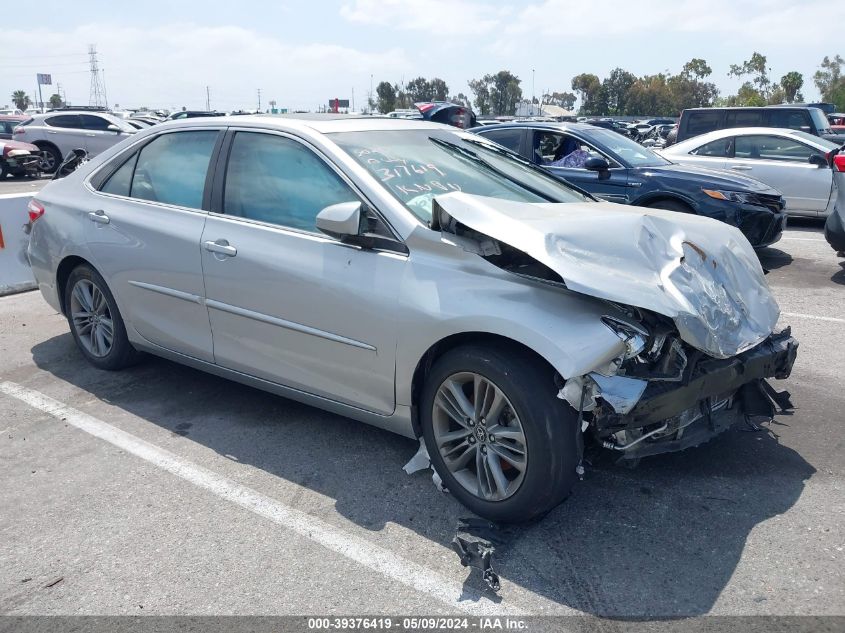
pixel 736 131
pixel 323 123
pixel 13 117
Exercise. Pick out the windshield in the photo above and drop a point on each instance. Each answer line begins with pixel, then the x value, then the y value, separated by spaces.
pixel 815 140
pixel 820 121
pixel 625 150
pixel 417 165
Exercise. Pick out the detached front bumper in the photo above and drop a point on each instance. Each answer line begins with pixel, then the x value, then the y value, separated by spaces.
pixel 713 395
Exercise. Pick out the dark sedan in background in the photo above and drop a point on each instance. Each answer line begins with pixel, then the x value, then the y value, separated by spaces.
pixel 615 168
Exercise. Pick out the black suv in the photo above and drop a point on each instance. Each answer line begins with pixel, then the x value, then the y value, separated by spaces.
pixel 695 121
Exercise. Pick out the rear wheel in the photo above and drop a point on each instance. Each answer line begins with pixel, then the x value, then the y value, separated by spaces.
pixel 95 321
pixel 497 435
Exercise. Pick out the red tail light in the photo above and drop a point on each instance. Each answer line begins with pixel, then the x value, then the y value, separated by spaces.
pixel 839 162
pixel 36 210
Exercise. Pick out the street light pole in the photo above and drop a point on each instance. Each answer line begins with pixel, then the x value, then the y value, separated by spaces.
pixel 532 91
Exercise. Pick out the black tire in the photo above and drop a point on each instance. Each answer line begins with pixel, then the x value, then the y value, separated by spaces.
pixel 4 171
pixel 671 205
pixel 548 423
pixel 52 159
pixel 121 354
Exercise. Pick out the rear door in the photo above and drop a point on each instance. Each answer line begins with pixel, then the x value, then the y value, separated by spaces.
pixel 287 303
pixel 551 149
pixel 782 162
pixel 143 230
pixel 65 131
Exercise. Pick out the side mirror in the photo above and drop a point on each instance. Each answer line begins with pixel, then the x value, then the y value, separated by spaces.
pixel 600 165
pixel 113 128
pixel 818 160
pixel 595 163
pixel 340 220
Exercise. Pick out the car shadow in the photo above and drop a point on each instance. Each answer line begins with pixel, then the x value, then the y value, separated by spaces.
pixel 661 540
pixel 773 258
pixel 839 276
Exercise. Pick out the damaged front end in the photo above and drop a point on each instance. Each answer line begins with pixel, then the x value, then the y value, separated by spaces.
pixel 686 297
pixel 671 397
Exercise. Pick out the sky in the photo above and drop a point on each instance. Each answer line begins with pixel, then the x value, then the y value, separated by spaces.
pixel 302 54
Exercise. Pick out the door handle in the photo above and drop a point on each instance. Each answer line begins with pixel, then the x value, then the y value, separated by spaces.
pixel 221 247
pixel 90 134
pixel 99 217
pixel 741 167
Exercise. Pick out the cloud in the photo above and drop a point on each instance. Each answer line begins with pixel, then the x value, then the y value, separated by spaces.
pixel 435 17
pixel 171 65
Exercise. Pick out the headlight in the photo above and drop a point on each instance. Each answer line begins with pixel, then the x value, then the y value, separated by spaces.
pixel 732 196
pixel 635 338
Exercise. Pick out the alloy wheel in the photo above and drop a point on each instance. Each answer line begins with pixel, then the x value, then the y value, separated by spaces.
pixel 479 436
pixel 92 318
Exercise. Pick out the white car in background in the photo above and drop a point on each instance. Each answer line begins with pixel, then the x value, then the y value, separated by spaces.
pixel 57 133
pixel 791 161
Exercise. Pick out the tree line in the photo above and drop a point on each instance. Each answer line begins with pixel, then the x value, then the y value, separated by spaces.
pixel 623 93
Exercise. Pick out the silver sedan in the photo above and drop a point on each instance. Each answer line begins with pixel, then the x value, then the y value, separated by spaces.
pixel 792 161
pixel 418 278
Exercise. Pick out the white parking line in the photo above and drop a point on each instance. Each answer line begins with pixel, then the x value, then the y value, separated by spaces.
pixel 378 559
pixel 813 317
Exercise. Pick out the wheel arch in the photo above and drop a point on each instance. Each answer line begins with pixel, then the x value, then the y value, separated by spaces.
pixel 63 271
pixel 658 196
pixel 436 350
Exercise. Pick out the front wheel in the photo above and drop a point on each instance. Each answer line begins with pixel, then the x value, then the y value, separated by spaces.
pixel 501 441
pixel 95 321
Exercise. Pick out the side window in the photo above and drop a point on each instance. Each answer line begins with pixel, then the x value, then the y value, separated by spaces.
pixel 64 120
pixel 172 168
pixel 772 148
pixel 120 182
pixel 744 118
pixel 701 122
pixel 510 138
pixel 562 150
pixel 278 180
pixel 715 149
pixel 789 119
pixel 93 122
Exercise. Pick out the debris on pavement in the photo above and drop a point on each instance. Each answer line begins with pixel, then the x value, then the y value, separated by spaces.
pixel 473 544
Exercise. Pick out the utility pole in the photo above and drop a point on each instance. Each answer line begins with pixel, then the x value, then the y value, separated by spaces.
pixel 207 99
pixel 259 99
pixel 370 100
pixel 532 92
pixel 353 100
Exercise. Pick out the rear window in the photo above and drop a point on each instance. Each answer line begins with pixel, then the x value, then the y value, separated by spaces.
pixel 790 119
pixel 64 120
pixel 509 138
pixel 700 122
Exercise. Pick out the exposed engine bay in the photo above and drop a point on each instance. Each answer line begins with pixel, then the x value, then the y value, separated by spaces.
pixel 663 393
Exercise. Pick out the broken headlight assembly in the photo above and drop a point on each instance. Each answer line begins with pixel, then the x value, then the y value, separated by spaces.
pixel 634 338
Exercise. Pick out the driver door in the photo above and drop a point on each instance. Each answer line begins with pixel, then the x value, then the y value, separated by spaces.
pixel 550 147
pixel 287 303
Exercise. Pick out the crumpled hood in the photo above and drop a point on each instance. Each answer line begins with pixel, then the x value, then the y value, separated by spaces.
pixel 701 273
pixel 708 178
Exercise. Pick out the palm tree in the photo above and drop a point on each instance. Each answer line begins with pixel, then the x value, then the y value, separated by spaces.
pixel 22 101
pixel 56 101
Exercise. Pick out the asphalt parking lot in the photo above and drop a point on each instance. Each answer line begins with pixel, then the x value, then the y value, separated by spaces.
pixel 164 490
